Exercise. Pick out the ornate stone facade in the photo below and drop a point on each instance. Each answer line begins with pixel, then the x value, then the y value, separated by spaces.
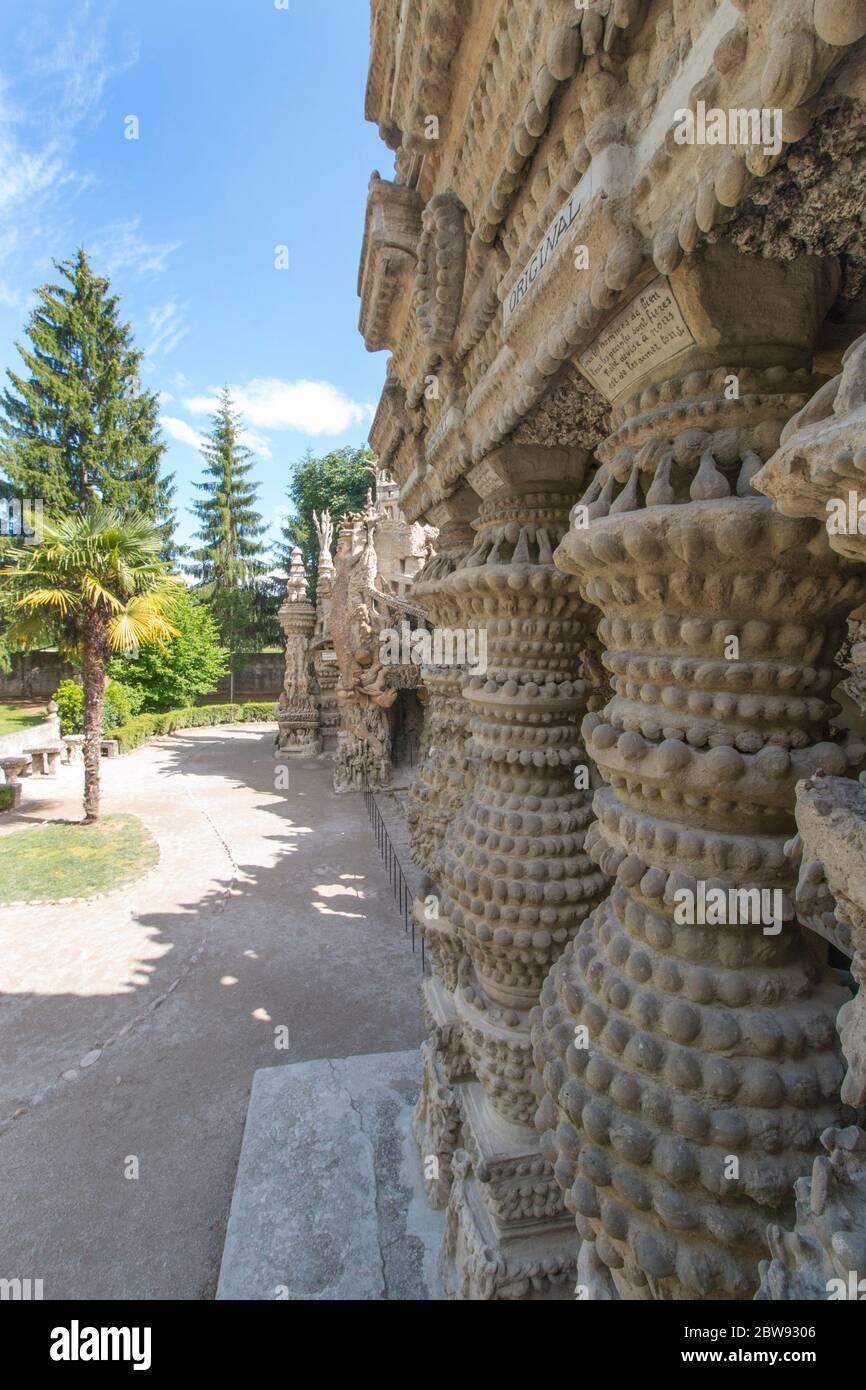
pixel 596 308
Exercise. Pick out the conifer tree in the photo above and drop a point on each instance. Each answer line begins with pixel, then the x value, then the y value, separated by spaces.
pixel 230 554
pixel 76 429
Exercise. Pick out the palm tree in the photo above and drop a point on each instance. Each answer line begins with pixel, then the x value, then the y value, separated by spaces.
pixel 96 584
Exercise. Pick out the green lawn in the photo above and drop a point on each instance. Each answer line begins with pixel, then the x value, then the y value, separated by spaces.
pixel 14 717
pixel 74 861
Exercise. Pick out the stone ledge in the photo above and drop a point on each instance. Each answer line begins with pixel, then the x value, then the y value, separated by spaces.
pixel 329 1197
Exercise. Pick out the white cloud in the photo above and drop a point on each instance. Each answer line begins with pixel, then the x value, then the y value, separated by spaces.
pixel 310 407
pixel 181 431
pixel 259 443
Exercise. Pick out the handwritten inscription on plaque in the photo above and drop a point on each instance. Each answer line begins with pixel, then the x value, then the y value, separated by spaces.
pixel 648 331
pixel 549 245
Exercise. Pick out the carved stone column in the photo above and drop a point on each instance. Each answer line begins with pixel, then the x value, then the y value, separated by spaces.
pixel 819 470
pixel 515 876
pixel 688 1062
pixel 322 646
pixel 435 798
pixel 297 712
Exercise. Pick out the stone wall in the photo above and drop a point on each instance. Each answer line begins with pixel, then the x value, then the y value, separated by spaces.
pixel 34 676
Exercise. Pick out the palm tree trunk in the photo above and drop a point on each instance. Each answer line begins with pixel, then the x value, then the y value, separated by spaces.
pixel 95 675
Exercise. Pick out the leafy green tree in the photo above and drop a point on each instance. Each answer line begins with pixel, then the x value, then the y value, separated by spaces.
pixel 76 428
pixel 230 528
pixel 337 482
pixel 98 577
pixel 173 675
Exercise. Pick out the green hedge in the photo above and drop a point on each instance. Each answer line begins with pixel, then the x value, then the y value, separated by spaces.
pixel 6 798
pixel 147 726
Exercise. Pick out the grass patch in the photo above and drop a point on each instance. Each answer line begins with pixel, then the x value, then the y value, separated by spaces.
pixel 13 719
pixel 74 861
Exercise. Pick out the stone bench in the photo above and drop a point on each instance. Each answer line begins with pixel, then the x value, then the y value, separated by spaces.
pixel 45 759
pixel 16 766
pixel 72 746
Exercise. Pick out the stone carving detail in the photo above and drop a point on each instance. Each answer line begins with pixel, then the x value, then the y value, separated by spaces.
pixel 297 711
pixel 435 798
pixel 378 554
pixel 515 876
pixel 822 459
pixel 702 1042
pixel 825 1255
pixel 388 259
pixel 441 269
pixel 322 647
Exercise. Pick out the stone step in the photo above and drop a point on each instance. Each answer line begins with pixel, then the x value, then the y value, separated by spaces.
pixel 329 1197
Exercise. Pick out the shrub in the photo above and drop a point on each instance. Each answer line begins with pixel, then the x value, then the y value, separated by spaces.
pixel 258 712
pixel 69 698
pixel 134 732
pixel 122 703
pixel 7 797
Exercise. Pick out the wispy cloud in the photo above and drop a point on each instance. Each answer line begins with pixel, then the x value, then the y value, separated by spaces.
pixel 310 407
pixel 53 86
pixel 120 248
pixel 167 327
pixel 73 65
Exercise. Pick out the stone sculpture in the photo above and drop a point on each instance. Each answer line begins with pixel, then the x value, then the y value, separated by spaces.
pixel 322 647
pixel 297 711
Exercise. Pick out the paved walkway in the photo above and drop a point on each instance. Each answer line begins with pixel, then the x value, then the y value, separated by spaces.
pixel 130 1027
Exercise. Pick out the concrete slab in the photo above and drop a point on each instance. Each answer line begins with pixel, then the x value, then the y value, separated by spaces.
pixel 329 1201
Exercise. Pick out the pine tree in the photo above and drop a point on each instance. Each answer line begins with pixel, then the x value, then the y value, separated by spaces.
pixel 76 429
pixel 230 528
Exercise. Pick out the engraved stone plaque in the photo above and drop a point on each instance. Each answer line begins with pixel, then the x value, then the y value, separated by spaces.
pixel 484 479
pixel 646 333
pixel 439 516
pixel 556 234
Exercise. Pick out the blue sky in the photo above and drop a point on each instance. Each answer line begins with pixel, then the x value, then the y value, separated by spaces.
pixel 251 137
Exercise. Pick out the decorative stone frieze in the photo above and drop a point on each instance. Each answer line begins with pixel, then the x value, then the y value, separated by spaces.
pixel 297 711
pixel 680 1119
